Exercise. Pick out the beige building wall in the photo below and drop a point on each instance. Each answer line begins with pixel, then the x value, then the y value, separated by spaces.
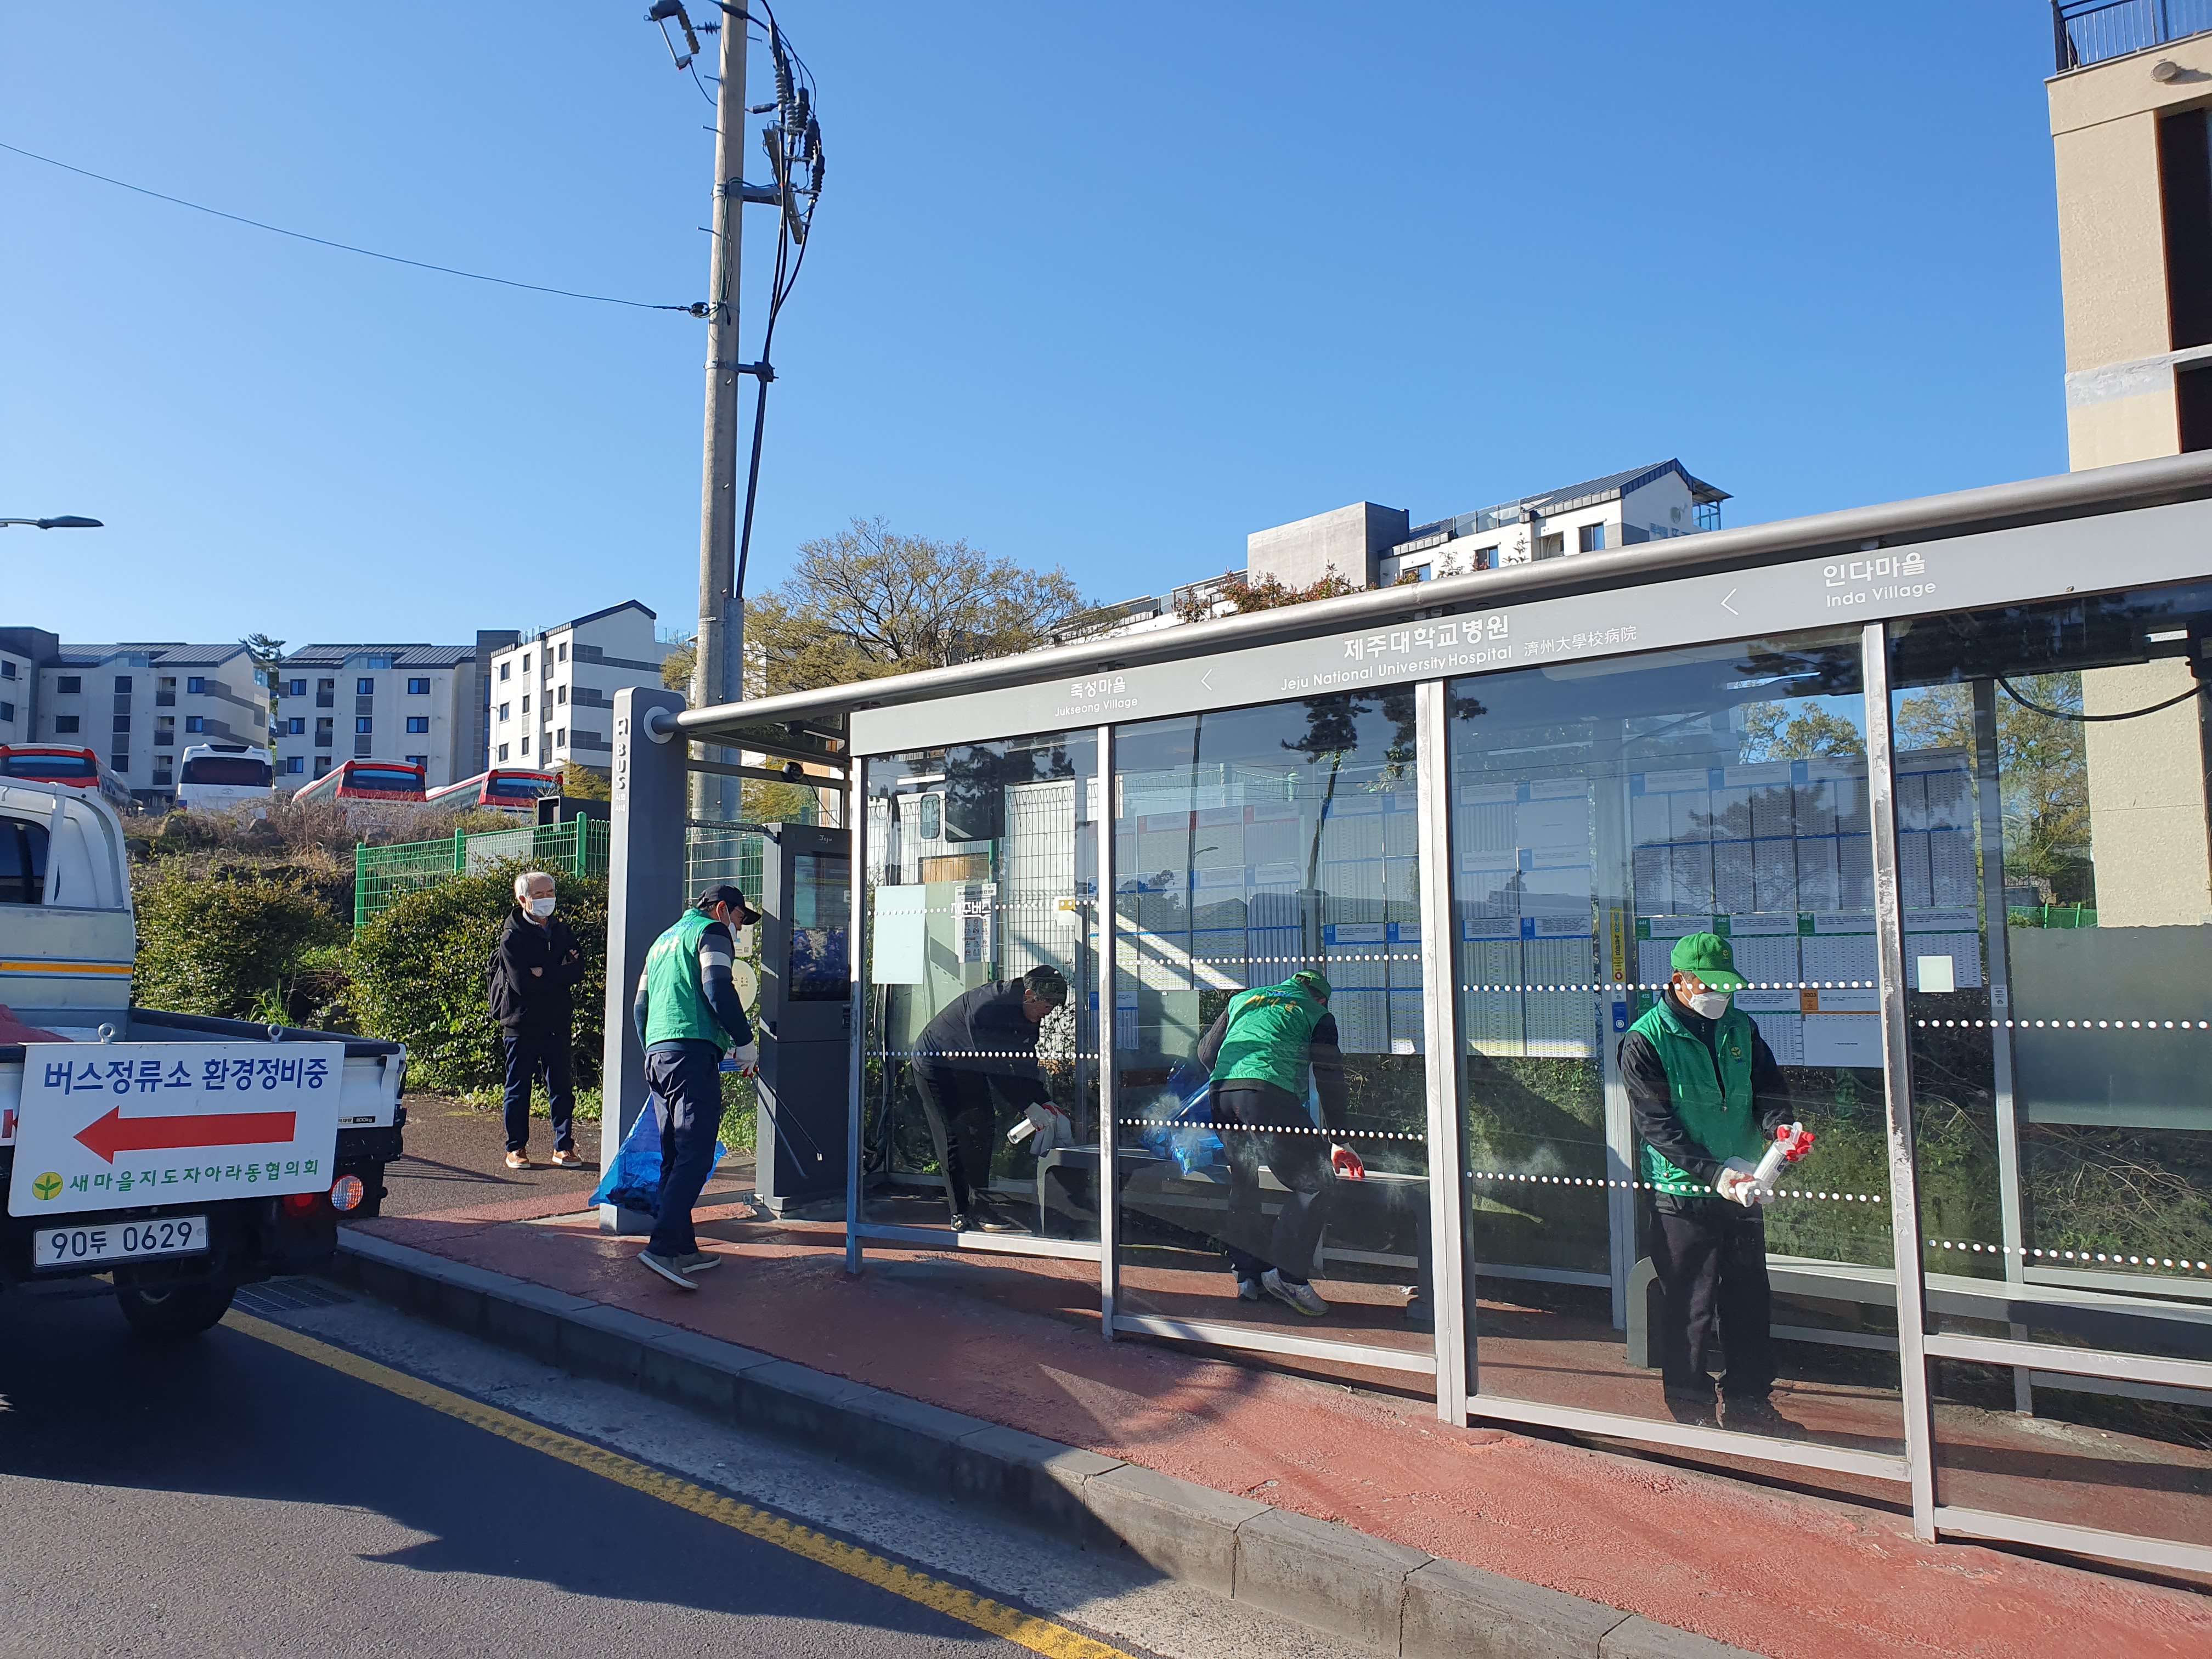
pixel 2151 834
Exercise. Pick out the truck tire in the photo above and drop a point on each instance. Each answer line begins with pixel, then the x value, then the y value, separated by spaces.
pixel 171 1315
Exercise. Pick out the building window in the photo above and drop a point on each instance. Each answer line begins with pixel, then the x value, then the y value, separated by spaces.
pixel 364 687
pixel 122 684
pixel 1551 546
pixel 561 736
pixel 419 687
pixel 526 703
pixel 7 711
pixel 363 723
pixel 122 723
pixel 7 668
pixel 526 665
pixel 525 745
pixel 296 689
pixel 65 725
pixel 423 761
pixel 565 650
pixel 163 778
pixel 418 722
pixel 195 723
pixel 68 686
pixel 118 762
pixel 1590 538
pixel 197 684
pixel 506 711
pixel 295 765
pixel 295 727
pixel 326 692
pixel 323 729
pixel 322 764
pixel 561 694
pixel 1708 515
pixel 503 752
pixel 503 667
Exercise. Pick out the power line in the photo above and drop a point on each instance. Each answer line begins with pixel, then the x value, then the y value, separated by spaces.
pixel 699 310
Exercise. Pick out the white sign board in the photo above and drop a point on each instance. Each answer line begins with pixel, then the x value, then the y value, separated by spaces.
pixel 117 1125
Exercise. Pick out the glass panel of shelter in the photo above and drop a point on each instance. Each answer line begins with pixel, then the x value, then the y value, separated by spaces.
pixel 979 980
pixel 2056 863
pixel 1266 892
pixel 1601 815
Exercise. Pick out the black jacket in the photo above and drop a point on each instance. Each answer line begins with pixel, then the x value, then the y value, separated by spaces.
pixel 522 1000
pixel 985 1033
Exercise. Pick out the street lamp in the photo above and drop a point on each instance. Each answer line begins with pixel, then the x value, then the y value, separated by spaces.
pixel 63 523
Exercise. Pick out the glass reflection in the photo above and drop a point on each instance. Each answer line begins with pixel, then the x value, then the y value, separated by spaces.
pixel 1662 883
pixel 1267 1028
pixel 979 1108
pixel 2058 939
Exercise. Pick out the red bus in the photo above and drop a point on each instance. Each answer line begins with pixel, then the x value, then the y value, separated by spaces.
pixel 79 769
pixel 397 781
pixel 502 789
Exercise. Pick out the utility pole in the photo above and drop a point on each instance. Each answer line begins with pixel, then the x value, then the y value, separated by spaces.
pixel 718 675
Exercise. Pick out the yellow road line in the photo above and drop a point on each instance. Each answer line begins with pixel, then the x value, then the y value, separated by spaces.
pixel 1023 1629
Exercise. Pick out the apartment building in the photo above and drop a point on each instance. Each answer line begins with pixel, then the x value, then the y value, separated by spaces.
pixel 137 703
pixel 414 702
pixel 552 694
pixel 1373 546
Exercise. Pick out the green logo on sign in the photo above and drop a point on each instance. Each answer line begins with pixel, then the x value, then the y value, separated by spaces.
pixel 47 1185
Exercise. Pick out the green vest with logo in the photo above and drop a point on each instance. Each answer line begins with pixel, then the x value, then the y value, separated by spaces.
pixel 1715 1105
pixel 676 1005
pixel 1270 1037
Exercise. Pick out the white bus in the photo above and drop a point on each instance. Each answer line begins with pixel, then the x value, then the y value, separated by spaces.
pixel 221 777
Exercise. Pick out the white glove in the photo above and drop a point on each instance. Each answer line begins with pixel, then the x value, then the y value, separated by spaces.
pixel 747 1054
pixel 1735 1181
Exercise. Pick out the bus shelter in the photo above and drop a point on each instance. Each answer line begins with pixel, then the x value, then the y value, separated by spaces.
pixel 1936 769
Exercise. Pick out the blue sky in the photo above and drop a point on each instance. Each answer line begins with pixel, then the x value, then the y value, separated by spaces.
pixel 1099 287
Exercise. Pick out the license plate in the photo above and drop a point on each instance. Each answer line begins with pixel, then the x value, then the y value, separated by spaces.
pixel 119 1241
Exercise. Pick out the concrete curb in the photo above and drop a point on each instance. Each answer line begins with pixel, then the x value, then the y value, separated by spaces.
pixel 1397 1601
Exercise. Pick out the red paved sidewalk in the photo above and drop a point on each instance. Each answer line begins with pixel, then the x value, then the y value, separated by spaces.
pixel 1016 1341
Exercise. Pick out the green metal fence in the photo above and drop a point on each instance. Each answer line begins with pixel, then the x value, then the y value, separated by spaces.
pixel 713 853
pixel 382 874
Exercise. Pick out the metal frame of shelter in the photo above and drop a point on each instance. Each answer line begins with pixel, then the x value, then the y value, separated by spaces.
pixel 2116 529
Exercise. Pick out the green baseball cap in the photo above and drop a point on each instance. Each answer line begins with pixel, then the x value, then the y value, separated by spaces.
pixel 1709 958
pixel 1315 981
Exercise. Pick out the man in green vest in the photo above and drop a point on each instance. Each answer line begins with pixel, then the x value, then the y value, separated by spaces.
pixel 1706 1095
pixel 1259 1054
pixel 688 1016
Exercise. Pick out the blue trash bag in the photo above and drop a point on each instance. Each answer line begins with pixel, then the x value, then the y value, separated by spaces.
pixel 632 1180
pixel 1182 1133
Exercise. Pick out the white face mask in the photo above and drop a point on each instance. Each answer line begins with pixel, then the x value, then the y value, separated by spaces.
pixel 1710 1004
pixel 542 907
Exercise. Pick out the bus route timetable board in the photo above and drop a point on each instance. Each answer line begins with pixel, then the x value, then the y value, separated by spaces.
pixel 1778 858
pixel 1526 914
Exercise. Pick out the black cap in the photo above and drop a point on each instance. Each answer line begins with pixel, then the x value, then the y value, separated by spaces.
pixel 725 894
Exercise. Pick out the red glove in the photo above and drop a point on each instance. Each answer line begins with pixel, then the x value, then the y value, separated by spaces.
pixel 1347 1164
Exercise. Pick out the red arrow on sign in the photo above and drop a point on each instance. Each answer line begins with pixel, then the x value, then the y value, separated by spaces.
pixel 117 1133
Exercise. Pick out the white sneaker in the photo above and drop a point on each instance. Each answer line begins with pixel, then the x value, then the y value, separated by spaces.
pixel 668 1269
pixel 1303 1298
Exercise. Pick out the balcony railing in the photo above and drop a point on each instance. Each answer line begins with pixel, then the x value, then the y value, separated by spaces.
pixel 2088 32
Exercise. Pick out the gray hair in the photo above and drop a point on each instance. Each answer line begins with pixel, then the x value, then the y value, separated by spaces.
pixel 522 882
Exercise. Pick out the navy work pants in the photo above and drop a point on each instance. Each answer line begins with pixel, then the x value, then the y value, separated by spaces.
pixel 686 1080
pixel 533 1056
pixel 1710 1257
pixel 1278 1132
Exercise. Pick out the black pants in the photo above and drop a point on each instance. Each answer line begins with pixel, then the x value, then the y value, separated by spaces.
pixel 532 1055
pixel 1281 1135
pixel 686 1080
pixel 1710 1259
pixel 964 1123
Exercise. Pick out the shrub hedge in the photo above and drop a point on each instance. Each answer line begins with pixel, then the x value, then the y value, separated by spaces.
pixel 230 945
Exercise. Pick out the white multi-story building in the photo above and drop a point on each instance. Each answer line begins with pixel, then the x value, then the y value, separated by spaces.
pixel 137 703
pixel 1372 546
pixel 413 702
pixel 552 695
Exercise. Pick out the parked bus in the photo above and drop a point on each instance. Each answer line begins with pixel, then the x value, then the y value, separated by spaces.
pixel 214 777
pixel 79 768
pixel 502 789
pixel 398 782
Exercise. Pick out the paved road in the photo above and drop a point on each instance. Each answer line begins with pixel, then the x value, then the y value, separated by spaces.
pixel 228 1497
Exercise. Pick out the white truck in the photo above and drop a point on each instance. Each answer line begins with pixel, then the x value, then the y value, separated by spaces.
pixel 182 1155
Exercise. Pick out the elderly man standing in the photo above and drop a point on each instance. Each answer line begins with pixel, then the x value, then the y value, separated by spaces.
pixel 537 967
